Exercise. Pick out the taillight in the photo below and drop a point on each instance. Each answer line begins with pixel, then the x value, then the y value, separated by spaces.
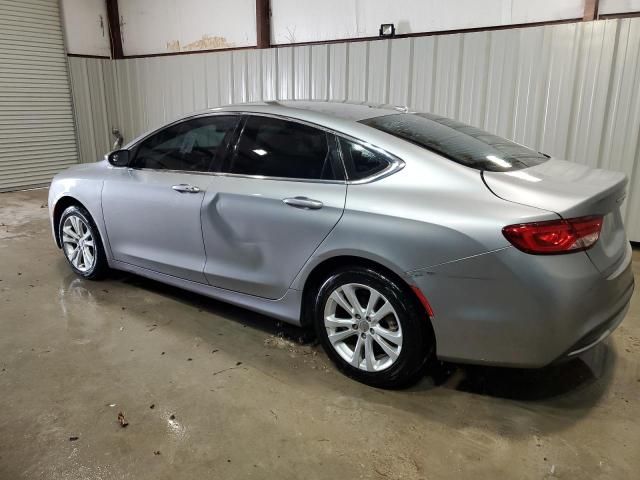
pixel 555 236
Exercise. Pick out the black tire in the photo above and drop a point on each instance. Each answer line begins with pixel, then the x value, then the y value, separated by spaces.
pixel 100 266
pixel 418 345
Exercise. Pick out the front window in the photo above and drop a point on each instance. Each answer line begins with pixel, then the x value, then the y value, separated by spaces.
pixel 192 146
pixel 464 144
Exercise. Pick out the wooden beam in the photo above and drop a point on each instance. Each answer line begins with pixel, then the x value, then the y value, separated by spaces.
pixel 590 10
pixel 263 24
pixel 115 37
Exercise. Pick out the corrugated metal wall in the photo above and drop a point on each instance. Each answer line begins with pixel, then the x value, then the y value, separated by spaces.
pixel 569 90
pixel 37 135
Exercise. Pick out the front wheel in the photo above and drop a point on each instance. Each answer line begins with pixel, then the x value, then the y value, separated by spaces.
pixel 81 243
pixel 372 328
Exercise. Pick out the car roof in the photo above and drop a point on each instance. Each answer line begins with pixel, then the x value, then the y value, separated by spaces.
pixel 352 111
pixel 338 116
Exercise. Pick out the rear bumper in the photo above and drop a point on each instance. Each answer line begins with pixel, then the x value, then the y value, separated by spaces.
pixel 509 308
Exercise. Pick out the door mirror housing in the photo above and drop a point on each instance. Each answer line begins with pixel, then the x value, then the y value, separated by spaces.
pixel 119 158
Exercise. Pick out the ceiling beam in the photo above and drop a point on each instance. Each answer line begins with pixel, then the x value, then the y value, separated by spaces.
pixel 590 10
pixel 115 37
pixel 263 24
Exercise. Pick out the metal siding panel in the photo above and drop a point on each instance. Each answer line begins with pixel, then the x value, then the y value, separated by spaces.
pixel 400 71
pixel 254 75
pixel 593 85
pixel 357 72
pixel 225 82
pixel 528 70
pixel 378 71
pixel 285 73
pixel 422 80
pixel 447 74
pixel 568 90
pixel 501 80
pixel 269 58
pixel 338 68
pixel 212 79
pixel 240 88
pixel 302 72
pixel 559 88
pixel 474 77
pixel 320 72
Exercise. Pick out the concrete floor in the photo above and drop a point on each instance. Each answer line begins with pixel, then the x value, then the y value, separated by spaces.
pixel 214 391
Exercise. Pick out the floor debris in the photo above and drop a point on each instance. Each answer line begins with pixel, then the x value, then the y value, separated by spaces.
pixel 121 420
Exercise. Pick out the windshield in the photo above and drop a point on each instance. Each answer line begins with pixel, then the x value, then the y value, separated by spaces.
pixel 457 141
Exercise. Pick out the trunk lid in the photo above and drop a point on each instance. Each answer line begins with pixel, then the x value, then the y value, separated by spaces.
pixel 572 190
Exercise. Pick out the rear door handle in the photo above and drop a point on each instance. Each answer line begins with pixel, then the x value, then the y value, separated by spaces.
pixel 185 188
pixel 303 202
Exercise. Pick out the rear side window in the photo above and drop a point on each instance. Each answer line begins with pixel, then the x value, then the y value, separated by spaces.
pixel 459 142
pixel 272 147
pixel 360 161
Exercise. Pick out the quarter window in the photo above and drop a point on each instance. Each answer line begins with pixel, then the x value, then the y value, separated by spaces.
pixel 193 145
pixel 361 162
pixel 278 148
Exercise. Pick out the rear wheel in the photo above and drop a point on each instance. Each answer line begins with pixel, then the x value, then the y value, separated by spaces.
pixel 372 328
pixel 81 243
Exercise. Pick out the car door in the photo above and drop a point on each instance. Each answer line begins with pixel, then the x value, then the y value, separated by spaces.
pixel 281 192
pixel 152 208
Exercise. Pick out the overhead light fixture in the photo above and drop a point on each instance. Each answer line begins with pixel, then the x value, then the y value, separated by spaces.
pixel 260 151
pixel 387 30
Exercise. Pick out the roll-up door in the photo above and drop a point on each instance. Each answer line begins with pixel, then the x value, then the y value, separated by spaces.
pixel 37 134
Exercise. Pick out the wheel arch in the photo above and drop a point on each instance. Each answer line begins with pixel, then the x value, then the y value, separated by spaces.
pixel 61 205
pixel 320 271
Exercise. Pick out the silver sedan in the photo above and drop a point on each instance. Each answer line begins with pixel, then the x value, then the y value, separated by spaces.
pixel 399 236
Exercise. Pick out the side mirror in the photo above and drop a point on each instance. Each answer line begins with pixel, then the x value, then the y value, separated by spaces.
pixel 119 158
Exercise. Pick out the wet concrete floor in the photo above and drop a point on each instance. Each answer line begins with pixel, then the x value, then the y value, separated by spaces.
pixel 215 391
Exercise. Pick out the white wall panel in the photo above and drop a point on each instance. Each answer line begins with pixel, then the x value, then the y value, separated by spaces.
pixel 618 6
pixel 161 26
pixel 295 21
pixel 570 90
pixel 86 28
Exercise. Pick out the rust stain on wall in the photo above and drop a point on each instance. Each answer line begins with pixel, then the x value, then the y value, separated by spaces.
pixel 173 46
pixel 207 42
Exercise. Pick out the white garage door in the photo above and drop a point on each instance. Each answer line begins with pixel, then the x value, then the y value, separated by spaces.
pixel 37 135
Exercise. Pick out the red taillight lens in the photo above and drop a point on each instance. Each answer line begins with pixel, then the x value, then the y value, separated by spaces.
pixel 556 236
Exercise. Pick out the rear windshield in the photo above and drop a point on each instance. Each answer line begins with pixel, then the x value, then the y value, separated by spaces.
pixel 457 141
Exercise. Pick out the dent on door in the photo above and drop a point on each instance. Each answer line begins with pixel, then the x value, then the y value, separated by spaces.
pixel 255 242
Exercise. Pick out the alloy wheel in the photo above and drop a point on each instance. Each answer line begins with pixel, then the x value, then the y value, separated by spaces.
pixel 78 243
pixel 363 327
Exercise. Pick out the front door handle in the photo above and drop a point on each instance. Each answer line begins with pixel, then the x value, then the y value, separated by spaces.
pixel 185 188
pixel 303 202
